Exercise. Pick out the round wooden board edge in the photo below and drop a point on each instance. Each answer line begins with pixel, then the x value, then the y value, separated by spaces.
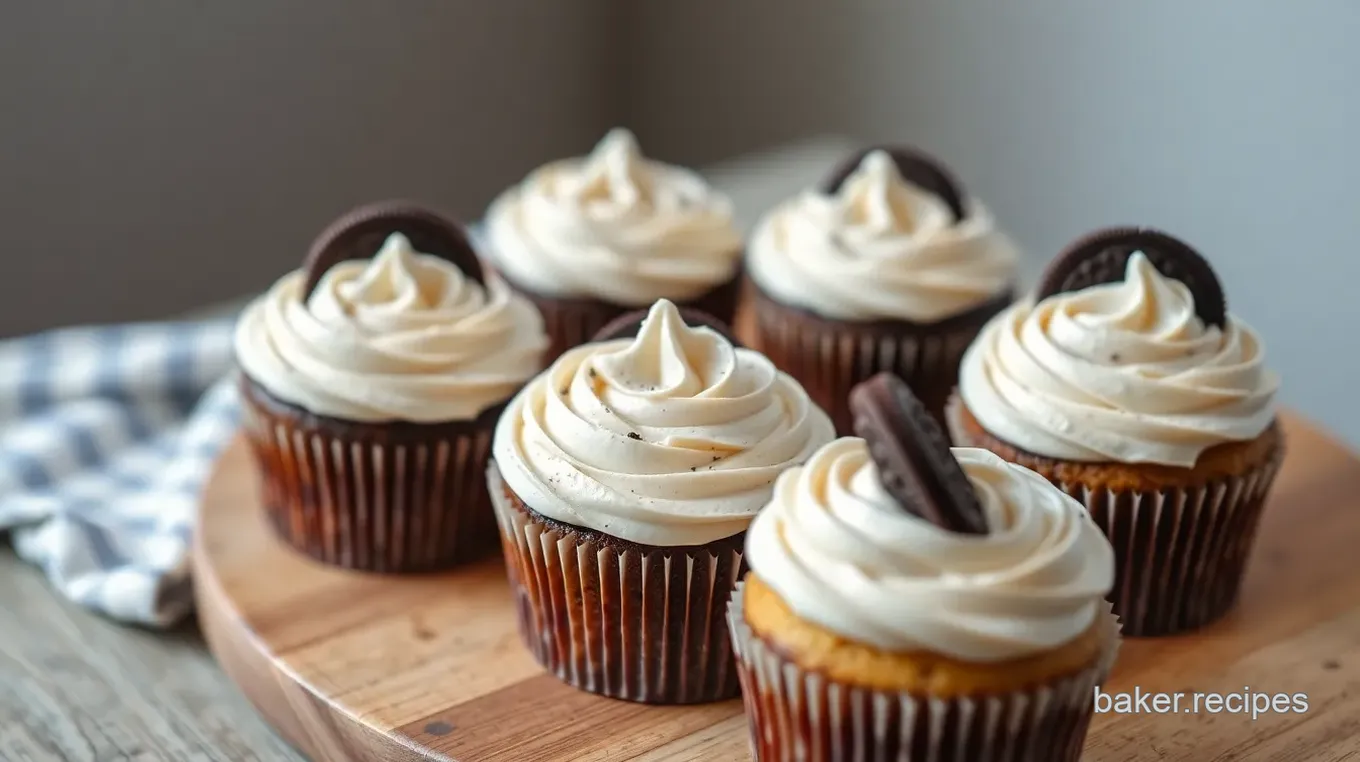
pixel 313 725
pixel 325 730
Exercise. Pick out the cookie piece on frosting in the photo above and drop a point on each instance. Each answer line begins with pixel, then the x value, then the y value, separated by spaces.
pixel 916 167
pixel 912 456
pixel 1126 381
pixel 849 595
pixel 1103 257
pixel 373 375
pixel 363 230
pixel 889 266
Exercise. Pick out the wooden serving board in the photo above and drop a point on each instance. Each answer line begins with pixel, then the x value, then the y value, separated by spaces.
pixel 350 666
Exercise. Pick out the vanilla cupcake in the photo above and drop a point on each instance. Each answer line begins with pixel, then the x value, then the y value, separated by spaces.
pixel 1128 383
pixel 589 239
pixel 889 266
pixel 372 380
pixel 871 626
pixel 624 478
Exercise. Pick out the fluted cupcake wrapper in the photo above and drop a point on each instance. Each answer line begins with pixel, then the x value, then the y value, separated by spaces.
pixel 795 715
pixel 644 626
pixel 829 357
pixel 571 322
pixel 1180 553
pixel 353 496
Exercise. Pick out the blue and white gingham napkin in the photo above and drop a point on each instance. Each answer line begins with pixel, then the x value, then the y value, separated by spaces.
pixel 107 435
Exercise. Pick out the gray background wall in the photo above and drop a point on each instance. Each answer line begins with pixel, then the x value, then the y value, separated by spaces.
pixel 1229 122
pixel 158 154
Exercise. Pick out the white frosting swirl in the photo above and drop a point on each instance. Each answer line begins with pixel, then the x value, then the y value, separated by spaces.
pixel 1122 372
pixel 614 226
pixel 402 337
pixel 672 438
pixel 880 248
pixel 841 553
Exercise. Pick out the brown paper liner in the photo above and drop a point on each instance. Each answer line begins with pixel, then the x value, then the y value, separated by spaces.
pixel 382 497
pixel 572 322
pixel 1180 552
pixel 616 618
pixel 829 357
pixel 795 715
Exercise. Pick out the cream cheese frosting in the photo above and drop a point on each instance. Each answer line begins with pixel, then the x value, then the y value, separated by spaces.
pixel 671 438
pixel 404 336
pixel 1122 372
pixel 842 554
pixel 880 248
pixel 614 226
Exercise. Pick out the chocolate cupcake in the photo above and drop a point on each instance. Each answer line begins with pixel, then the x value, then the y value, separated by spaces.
pixel 1127 383
pixel 590 239
pixel 906 601
pixel 372 379
pixel 889 266
pixel 624 478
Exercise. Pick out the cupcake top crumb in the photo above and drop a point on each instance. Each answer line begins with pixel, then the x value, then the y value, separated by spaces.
pixel 878 247
pixel 842 553
pixel 673 437
pixel 403 336
pixel 614 226
pixel 1123 372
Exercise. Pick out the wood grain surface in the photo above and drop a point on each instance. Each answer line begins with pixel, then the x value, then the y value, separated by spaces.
pixel 75 687
pixel 360 667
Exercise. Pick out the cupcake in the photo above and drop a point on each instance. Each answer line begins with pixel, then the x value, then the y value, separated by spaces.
pixel 624 478
pixel 372 379
pixel 1127 383
pixel 906 601
pixel 889 266
pixel 587 240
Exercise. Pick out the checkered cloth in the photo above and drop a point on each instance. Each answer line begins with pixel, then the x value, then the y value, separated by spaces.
pixel 107 435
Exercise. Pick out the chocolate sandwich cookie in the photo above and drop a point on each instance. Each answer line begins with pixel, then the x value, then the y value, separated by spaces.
pixel 916 167
pixel 360 232
pixel 913 457
pixel 1103 256
pixel 832 325
pixel 628 324
pixel 368 462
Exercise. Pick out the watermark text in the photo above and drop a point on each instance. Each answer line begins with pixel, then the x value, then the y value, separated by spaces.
pixel 1246 701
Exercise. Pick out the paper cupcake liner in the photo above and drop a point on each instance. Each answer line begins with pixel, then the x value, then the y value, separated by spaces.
pixel 373 497
pixel 617 619
pixel 829 357
pixel 1180 553
pixel 795 715
pixel 572 322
